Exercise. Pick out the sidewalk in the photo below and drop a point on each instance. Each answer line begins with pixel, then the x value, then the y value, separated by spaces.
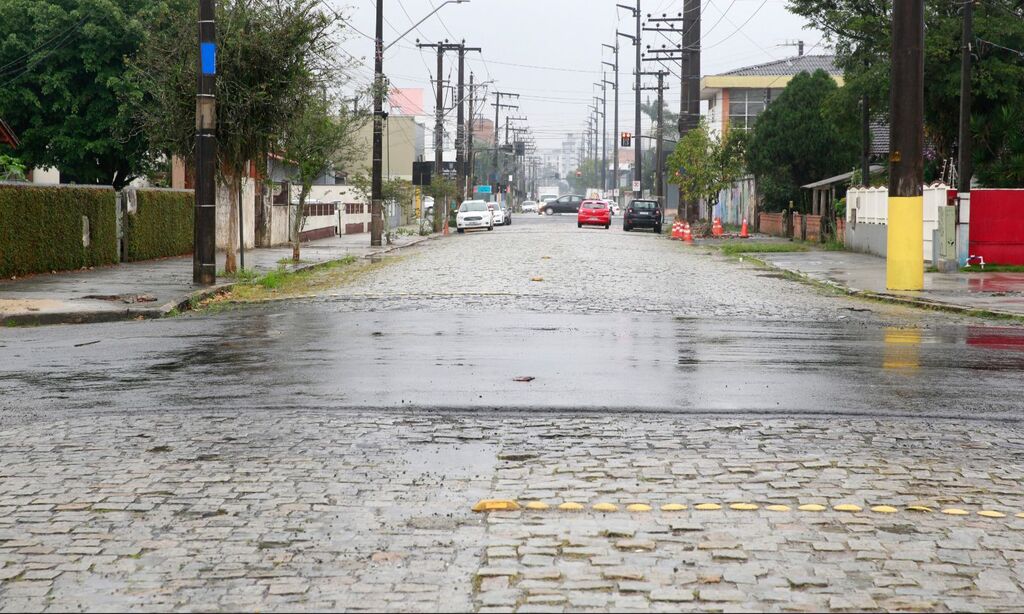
pixel 153 288
pixel 864 275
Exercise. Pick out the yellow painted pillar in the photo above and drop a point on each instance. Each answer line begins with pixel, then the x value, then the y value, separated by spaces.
pixel 904 263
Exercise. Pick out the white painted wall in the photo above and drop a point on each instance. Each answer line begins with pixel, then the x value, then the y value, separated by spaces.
pixel 872 207
pixel 224 204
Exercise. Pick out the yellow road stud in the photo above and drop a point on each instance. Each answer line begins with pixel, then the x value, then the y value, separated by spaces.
pixel 919 508
pixel 606 507
pixel 537 505
pixel 955 511
pixel 536 279
pixel 678 507
pixel 777 508
pixel 884 509
pixel 495 505
pixel 1019 514
pixel 744 507
pixel 707 507
pixel 811 507
pixel 847 507
pixel 569 506
pixel 638 507
pixel 991 514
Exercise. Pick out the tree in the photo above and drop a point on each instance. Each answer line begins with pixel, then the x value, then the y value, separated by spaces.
pixel 318 139
pixel 11 168
pixel 796 141
pixel 62 64
pixel 271 57
pixel 703 164
pixel 860 31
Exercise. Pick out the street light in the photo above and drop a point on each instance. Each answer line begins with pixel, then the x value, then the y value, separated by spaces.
pixel 377 188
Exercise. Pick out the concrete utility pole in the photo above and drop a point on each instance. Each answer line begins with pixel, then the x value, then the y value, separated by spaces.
pixel 497 109
pixel 204 225
pixel 615 130
pixel 964 163
pixel 659 189
pixel 460 131
pixel 905 260
pixel 604 132
pixel 471 172
pixel 376 182
pixel 638 153
pixel 440 208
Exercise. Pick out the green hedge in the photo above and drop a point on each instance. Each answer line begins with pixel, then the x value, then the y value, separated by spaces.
pixel 161 225
pixel 41 228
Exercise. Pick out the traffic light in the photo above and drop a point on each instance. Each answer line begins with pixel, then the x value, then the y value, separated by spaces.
pixel 627 139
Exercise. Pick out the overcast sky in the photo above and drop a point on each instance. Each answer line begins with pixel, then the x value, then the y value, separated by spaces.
pixel 549 51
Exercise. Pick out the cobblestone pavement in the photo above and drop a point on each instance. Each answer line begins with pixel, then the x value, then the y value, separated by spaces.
pixel 157 465
pixel 300 510
pixel 597 271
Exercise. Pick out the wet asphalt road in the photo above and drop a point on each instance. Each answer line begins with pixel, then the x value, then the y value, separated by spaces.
pixel 450 325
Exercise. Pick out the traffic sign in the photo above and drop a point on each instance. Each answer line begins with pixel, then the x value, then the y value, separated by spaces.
pixel 636 186
pixel 483 189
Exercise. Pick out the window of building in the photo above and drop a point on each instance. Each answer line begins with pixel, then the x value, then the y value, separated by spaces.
pixel 746 104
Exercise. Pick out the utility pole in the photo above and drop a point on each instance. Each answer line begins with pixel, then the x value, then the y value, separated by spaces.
pixel 204 225
pixel 440 208
pixel 659 189
pixel 497 109
pixel 638 153
pixel 460 131
pixel 615 130
pixel 905 242
pixel 604 132
pixel 964 163
pixel 377 188
pixel 471 173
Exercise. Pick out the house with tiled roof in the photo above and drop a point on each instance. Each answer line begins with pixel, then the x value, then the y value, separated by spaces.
pixel 735 98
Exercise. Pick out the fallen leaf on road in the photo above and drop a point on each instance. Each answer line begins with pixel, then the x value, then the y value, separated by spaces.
pixel 524 378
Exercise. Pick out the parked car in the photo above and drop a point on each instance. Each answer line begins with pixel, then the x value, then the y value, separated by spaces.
pixel 642 214
pixel 529 206
pixel 474 214
pixel 594 213
pixel 502 213
pixel 570 203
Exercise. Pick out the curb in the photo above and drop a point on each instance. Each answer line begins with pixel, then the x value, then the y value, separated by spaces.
pixel 182 304
pixel 885 297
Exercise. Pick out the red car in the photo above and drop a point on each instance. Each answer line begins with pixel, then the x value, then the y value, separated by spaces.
pixel 594 213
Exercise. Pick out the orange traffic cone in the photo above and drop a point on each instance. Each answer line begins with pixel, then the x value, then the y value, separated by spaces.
pixel 687 235
pixel 716 228
pixel 677 230
pixel 743 230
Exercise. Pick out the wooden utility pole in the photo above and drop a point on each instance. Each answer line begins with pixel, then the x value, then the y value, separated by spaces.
pixel 377 170
pixel 460 131
pixel 964 164
pixel 204 225
pixel 905 243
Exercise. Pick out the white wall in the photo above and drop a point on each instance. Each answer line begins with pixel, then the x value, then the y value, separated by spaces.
pixel 872 207
pixel 224 204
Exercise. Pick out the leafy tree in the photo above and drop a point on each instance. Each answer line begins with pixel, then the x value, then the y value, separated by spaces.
pixel 397 192
pixel 861 32
pixel 11 168
pixel 796 141
pixel 62 65
pixel 318 139
pixel 703 164
pixel 271 57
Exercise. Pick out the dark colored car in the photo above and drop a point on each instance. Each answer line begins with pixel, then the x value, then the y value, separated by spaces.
pixel 642 214
pixel 569 203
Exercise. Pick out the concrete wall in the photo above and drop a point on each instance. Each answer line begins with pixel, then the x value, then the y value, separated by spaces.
pixel 997 225
pixel 738 202
pixel 403 144
pixel 224 207
pixel 870 207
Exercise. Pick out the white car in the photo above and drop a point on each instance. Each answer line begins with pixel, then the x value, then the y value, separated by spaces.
pixel 502 214
pixel 474 214
pixel 529 206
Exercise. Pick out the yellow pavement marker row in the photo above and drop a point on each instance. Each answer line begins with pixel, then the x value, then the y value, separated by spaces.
pixel 502 505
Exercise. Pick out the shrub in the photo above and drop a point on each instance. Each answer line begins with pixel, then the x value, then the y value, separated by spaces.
pixel 161 225
pixel 41 228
